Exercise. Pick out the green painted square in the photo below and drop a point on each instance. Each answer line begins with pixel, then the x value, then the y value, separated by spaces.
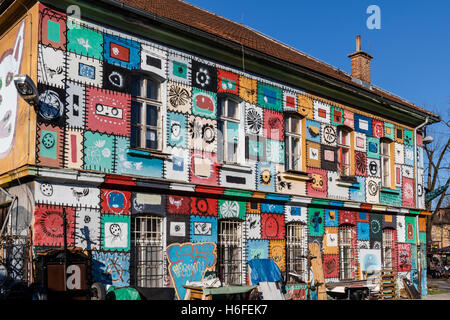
pixel 423 237
pixel 410 226
pixel 49 142
pixel 389 131
pixel 337 116
pixel 98 151
pixel 230 209
pixel 408 137
pixel 115 230
pixel 270 97
pixel 275 151
pixel 179 69
pixel 255 148
pixel 316 219
pixel 85 42
pixel 53 31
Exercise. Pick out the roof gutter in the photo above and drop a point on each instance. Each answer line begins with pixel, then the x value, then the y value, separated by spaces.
pixel 311 73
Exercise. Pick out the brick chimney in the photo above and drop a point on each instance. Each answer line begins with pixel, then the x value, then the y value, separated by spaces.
pixel 360 63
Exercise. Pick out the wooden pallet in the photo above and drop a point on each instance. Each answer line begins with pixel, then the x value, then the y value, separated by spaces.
pixel 388 285
pixel 316 264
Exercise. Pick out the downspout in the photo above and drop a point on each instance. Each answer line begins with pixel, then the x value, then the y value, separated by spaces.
pixel 418 252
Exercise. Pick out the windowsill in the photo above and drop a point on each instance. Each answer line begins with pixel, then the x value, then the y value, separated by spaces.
pixel 389 190
pixel 234 166
pixel 347 181
pixel 296 175
pixel 141 152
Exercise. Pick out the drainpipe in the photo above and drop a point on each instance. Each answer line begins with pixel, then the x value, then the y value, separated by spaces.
pixel 418 251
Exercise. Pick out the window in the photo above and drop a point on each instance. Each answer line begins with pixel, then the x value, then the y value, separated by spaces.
pixel 231 148
pixel 296 251
pixel 343 144
pixel 293 140
pixel 147 252
pixel 388 242
pixel 385 155
pixel 346 252
pixel 146 114
pixel 230 252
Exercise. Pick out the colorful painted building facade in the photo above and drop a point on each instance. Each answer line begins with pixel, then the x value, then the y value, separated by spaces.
pixel 168 159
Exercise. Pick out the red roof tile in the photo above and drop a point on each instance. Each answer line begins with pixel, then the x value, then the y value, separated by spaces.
pixel 204 20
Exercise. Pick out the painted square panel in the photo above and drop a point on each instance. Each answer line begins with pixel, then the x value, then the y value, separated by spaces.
pixel 121 52
pixel 85 41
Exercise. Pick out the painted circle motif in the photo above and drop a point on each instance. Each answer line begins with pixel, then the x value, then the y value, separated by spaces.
pixel 372 188
pixel 208 133
pixel 229 209
pixel 202 77
pixel 254 121
pixel 178 96
pixel 329 134
pixel 375 226
pixel 115 229
pixel 46 189
pixel 50 106
pixel 271 227
pixel 48 140
pixel 373 168
pixel 202 205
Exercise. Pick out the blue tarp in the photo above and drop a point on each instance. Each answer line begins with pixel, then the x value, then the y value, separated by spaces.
pixel 264 270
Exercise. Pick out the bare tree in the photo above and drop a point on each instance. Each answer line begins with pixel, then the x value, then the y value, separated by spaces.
pixel 437 170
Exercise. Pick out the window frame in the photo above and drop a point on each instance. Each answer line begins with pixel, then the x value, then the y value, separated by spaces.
pixel 145 101
pixel 388 246
pixel 344 169
pixel 230 265
pixel 143 273
pixel 383 158
pixel 296 251
pixel 290 136
pixel 223 119
pixel 347 273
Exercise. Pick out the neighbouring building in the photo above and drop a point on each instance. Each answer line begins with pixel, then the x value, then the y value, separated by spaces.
pixel 440 229
pixel 176 140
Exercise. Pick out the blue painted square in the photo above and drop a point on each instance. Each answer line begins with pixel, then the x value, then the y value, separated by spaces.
pixel 296 211
pixel 363 124
pixel 359 193
pixel 362 215
pixel 310 134
pixel 178 164
pixel 331 217
pixel 363 231
pixel 85 70
pixel 116 200
pixel 272 208
pixel 134 55
pixel 203 229
pixel 257 249
pixel 265 176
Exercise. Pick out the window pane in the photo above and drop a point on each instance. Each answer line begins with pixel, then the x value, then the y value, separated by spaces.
pixel 135 139
pixel 221 106
pixel 135 86
pixel 295 125
pixel 135 112
pixel 232 108
pixel 385 148
pixel 232 152
pixel 152 115
pixel 152 89
pixel 151 139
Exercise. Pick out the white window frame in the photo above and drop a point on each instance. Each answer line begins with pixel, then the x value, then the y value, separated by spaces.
pixel 239 154
pixel 144 101
pixel 230 252
pixel 293 161
pixel 344 147
pixel 385 178
pixel 147 233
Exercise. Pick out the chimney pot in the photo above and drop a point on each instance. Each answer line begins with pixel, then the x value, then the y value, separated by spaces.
pixel 360 63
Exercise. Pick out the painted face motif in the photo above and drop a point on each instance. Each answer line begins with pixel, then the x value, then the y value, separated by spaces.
pixel 10 62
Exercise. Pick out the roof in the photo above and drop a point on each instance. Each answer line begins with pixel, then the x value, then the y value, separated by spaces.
pixel 206 21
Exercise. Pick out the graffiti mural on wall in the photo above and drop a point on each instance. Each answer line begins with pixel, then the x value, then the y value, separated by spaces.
pixel 189 262
pixel 10 63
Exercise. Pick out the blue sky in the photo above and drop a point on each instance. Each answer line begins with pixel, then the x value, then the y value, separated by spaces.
pixel 411 50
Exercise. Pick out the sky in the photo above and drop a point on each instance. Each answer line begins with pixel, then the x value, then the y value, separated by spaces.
pixel 411 49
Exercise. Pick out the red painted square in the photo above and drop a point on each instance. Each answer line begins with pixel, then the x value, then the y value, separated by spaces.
pixel 119 52
pixel 322 113
pixel 48 226
pixel 178 205
pixel 290 102
pixel 272 226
